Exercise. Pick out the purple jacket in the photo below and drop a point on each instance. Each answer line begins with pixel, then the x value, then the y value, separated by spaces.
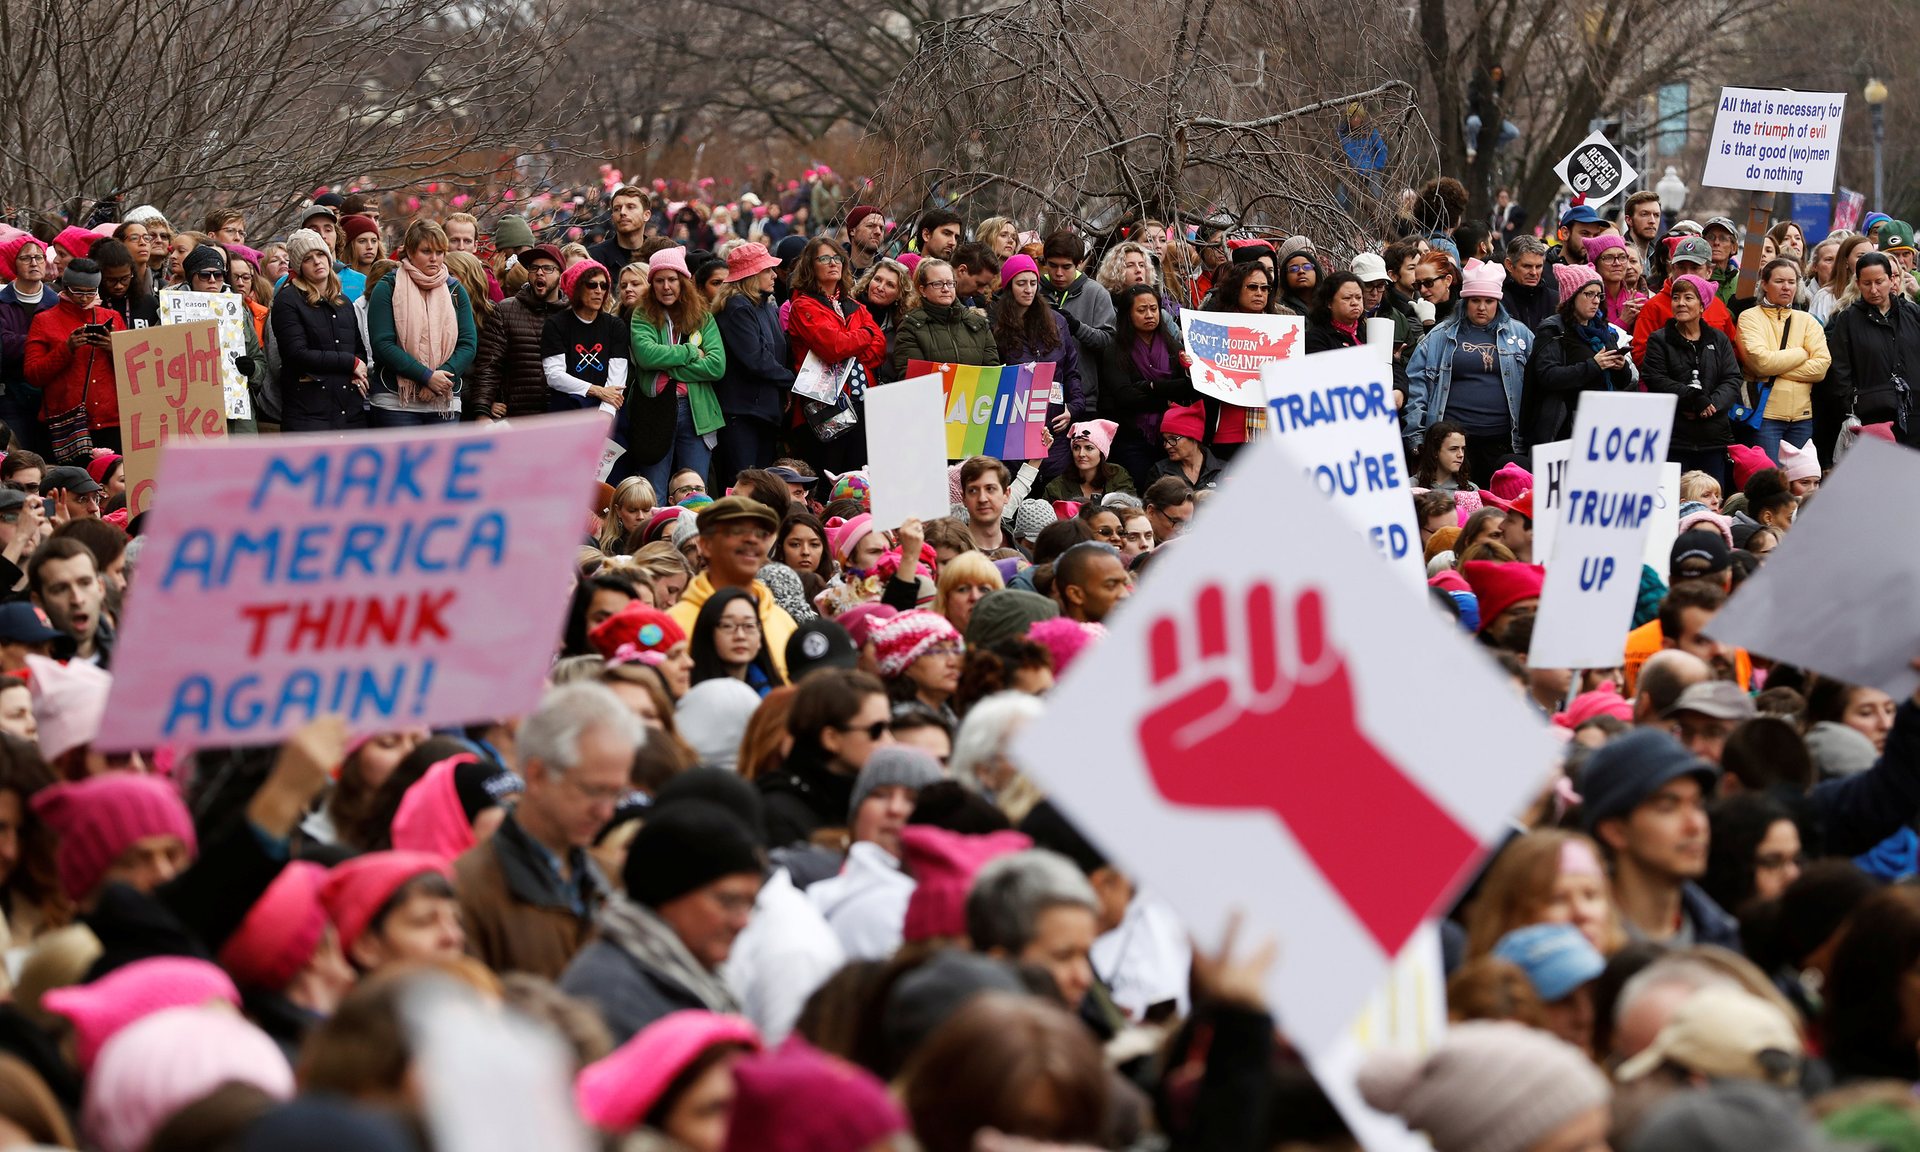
pixel 1065 359
pixel 15 319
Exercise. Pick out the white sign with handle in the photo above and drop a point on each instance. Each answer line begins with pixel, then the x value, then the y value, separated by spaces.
pixel 1595 170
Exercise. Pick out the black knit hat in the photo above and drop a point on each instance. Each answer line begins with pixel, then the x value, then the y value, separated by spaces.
pixel 204 258
pixel 685 848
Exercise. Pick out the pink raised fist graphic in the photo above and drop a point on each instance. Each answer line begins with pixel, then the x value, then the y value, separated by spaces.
pixel 1242 727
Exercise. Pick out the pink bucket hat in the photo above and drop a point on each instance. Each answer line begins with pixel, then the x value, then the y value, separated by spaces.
pixel 749 260
pixel 616 1092
pixel 674 258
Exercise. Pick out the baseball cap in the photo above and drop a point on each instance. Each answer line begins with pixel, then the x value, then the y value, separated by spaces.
pixel 1733 230
pixel 1623 773
pixel 21 623
pixel 1557 958
pixel 74 480
pixel 1718 699
pixel 819 643
pixel 1370 268
pixel 1895 235
pixel 1698 552
pixel 789 475
pixel 1724 1034
pixel 737 508
pixel 542 252
pixel 1580 214
pixel 1692 249
pixel 1684 228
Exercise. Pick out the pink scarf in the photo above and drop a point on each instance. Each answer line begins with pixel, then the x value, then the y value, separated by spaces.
pixel 426 326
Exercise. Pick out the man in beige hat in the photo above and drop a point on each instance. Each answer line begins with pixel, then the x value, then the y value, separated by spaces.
pixel 735 536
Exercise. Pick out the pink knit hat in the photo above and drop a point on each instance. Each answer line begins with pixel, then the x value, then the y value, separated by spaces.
pixel 1099 431
pixel 1747 461
pixel 1065 639
pixel 799 1099
pixel 69 701
pixel 282 929
pixel 910 260
pixel 169 1060
pixel 616 1092
pixel 1017 263
pixel 1510 481
pixel 357 889
pixel 1799 463
pixel 674 258
pixel 74 241
pixel 861 620
pixel 11 248
pixel 128 995
pixel 1184 420
pixel 1573 277
pixel 1710 521
pixel 943 865
pixel 1487 280
pixel 842 535
pixel 909 636
pixel 102 816
pixel 1595 245
pixel 1602 701
pixel 431 818
pixel 1701 286
pixel 580 268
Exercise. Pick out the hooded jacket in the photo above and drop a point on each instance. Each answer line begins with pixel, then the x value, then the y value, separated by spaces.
pixel 942 334
pixel 506 366
pixel 1091 320
pixel 65 374
pixel 776 627
pixel 866 904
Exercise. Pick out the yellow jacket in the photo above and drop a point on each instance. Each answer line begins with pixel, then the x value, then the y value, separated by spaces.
pixel 776 627
pixel 1796 368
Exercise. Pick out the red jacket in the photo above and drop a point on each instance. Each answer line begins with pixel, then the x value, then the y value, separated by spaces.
pixel 64 373
pixel 1658 309
pixel 813 326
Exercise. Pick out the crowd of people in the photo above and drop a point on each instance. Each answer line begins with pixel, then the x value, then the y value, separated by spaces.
pixel 761 858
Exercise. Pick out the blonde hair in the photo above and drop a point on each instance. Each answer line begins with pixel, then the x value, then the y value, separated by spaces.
pixel 909 295
pixel 572 254
pixel 635 489
pixel 1694 485
pixel 990 227
pixel 966 568
pixel 1109 274
pixel 464 218
pixel 920 271
pixel 472 274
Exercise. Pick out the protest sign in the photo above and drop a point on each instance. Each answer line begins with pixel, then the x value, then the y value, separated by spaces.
pixel 1595 170
pixel 403 578
pixel 168 380
pixel 1848 208
pixel 993 411
pixel 1270 757
pixel 1620 442
pixel 1836 597
pixel 610 453
pixel 1772 140
pixel 1334 417
pixel 179 306
pixel 906 450
pixel 1230 348
pixel 1549 495
pixel 820 381
pixel 1664 525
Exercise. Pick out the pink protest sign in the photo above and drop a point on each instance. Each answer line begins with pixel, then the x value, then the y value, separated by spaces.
pixel 395 578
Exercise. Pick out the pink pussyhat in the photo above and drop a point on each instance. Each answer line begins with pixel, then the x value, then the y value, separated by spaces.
pixel 616 1092
pixel 69 701
pixel 126 995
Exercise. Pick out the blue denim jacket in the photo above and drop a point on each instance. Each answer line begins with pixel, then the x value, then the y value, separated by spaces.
pixel 1430 370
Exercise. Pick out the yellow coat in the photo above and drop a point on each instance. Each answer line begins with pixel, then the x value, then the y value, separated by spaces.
pixel 776 627
pixel 1796 368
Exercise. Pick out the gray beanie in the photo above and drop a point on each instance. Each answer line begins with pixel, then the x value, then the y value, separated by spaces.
pixel 1490 1086
pixel 1838 750
pixel 303 243
pixel 684 529
pixel 894 766
pixel 1030 516
pixel 1005 614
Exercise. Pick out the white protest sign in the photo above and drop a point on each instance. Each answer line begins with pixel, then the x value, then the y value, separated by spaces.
pixel 907 450
pixel 820 381
pixel 1333 415
pixel 1664 527
pixel 1595 170
pixel 1549 495
pixel 179 306
pixel 610 453
pixel 1230 348
pixel 1837 595
pixel 1266 757
pixel 1772 140
pixel 1620 442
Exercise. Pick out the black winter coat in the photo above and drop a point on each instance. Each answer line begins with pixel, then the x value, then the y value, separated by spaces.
pixel 1561 367
pixel 1870 349
pixel 1670 365
pixel 318 345
pixel 758 376
pixel 507 368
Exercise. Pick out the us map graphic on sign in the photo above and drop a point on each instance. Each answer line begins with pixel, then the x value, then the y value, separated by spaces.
pixel 1229 349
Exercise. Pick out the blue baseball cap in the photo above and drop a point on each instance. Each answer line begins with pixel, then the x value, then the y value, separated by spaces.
pixel 1580 214
pixel 21 623
pixel 1557 958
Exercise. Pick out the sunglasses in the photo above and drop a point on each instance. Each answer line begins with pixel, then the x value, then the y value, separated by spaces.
pixel 1429 281
pixel 874 730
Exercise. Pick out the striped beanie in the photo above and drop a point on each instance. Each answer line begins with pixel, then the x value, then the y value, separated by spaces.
pixel 909 636
pixel 99 818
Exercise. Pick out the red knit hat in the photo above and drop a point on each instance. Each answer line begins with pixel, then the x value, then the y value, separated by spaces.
pixel 1189 421
pixel 357 889
pixel 943 865
pixel 641 625
pixel 128 995
pixel 1499 585
pixel 909 636
pixel 101 465
pixel 74 241
pixel 102 816
pixel 357 225
pixel 282 929
pixel 799 1099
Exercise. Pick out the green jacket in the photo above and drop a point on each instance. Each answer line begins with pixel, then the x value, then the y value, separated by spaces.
pixel 696 362
pixel 943 334
pixel 391 362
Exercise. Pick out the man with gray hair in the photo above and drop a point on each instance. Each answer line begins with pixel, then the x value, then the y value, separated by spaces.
pixel 1036 907
pixel 529 895
pixel 1529 296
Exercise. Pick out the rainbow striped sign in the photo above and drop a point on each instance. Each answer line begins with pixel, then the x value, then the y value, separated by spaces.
pixel 993 411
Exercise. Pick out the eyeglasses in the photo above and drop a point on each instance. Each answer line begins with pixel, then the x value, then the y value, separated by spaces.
pixel 594 286
pixel 1615 257
pixel 828 258
pixel 684 491
pixel 608 796
pixel 738 627
pixel 1253 287
pixel 874 730
pixel 938 284
pixel 946 650
pixel 1296 269
pixel 220 276
pixel 31 258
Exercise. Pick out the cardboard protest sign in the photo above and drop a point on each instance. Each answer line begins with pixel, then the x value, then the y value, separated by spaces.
pixel 1230 348
pixel 1837 595
pixel 1266 757
pixel 996 411
pixel 1334 417
pixel 179 306
pixel 168 380
pixel 1620 442
pixel 906 450
pixel 412 577
pixel 1772 140
pixel 1595 170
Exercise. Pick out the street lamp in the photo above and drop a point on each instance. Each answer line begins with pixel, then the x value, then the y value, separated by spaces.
pixel 1672 192
pixel 1876 94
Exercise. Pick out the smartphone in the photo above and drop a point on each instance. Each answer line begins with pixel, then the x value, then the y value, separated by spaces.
pixel 96 329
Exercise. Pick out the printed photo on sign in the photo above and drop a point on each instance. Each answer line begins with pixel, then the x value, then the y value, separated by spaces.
pixel 1230 348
